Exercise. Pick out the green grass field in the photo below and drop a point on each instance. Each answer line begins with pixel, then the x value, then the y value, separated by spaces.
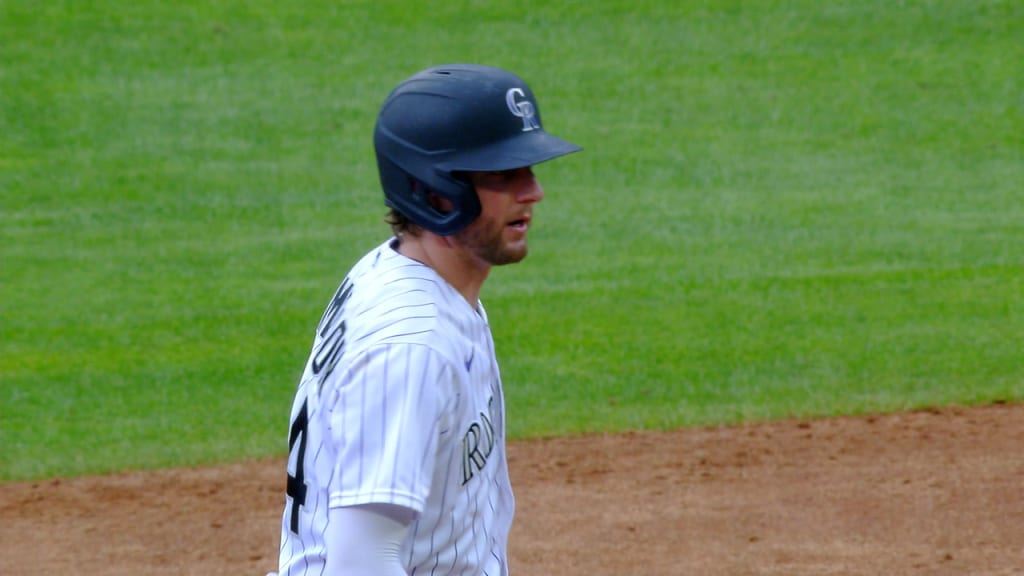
pixel 784 208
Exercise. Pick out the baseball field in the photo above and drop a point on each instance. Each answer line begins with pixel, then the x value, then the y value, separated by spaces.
pixel 772 321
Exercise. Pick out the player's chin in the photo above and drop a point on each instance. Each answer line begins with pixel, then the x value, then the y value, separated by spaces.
pixel 510 254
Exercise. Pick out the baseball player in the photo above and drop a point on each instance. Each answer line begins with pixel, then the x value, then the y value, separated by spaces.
pixel 397 435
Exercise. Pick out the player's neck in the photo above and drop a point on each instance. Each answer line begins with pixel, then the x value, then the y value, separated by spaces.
pixel 463 271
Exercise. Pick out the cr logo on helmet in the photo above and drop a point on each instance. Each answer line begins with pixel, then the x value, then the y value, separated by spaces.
pixel 522 108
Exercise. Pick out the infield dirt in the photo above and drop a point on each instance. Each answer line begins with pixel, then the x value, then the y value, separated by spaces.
pixel 932 492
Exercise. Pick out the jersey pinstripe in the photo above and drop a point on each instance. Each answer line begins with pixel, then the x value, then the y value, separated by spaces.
pixel 401 403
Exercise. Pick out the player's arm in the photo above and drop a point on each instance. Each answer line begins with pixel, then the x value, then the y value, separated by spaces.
pixel 385 419
pixel 385 423
pixel 366 540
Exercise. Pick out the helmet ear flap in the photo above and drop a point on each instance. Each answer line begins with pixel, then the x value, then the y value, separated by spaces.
pixel 411 196
pixel 459 193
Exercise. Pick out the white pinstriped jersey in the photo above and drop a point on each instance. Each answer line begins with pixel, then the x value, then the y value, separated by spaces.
pixel 401 403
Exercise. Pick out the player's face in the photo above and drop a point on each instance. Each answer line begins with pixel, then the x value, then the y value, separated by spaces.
pixel 498 235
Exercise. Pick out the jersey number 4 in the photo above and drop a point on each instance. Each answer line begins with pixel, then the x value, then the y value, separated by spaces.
pixel 331 343
pixel 296 489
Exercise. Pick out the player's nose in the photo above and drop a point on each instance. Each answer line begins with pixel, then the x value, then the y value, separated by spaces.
pixel 529 189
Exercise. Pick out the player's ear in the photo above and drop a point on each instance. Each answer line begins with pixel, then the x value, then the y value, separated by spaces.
pixel 440 203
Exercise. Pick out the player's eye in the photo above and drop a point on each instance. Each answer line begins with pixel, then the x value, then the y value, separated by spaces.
pixel 501 178
pixel 493 179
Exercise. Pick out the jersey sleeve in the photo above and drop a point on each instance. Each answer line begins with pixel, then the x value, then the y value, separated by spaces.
pixel 384 420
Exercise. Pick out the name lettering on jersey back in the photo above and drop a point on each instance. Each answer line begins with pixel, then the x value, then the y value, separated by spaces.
pixel 331 334
pixel 477 445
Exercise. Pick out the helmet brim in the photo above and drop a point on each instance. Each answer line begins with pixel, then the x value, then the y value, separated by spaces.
pixel 526 149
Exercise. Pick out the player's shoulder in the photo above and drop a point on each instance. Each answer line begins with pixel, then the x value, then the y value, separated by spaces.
pixel 398 300
pixel 384 276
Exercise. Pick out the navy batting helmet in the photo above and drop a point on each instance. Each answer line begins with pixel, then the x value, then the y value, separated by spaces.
pixel 450 119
